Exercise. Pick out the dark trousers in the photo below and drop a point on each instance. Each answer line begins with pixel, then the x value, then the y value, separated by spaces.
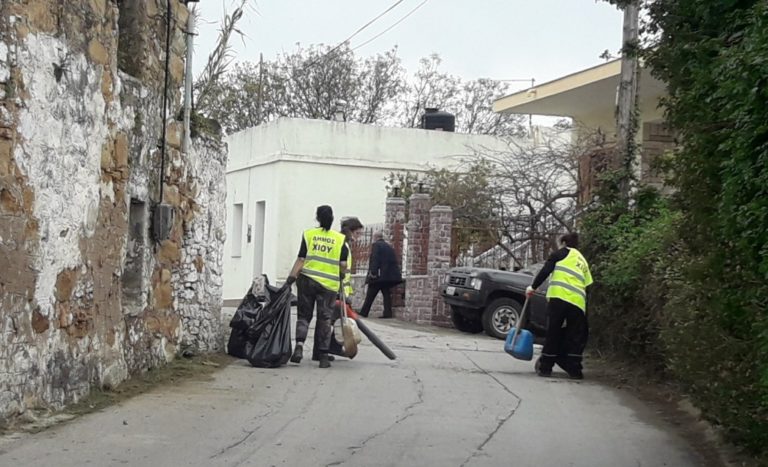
pixel 564 345
pixel 311 293
pixel 370 296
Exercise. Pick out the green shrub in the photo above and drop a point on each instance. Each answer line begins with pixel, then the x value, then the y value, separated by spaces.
pixel 683 284
pixel 630 251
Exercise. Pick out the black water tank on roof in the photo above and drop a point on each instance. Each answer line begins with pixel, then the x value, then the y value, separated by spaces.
pixel 434 119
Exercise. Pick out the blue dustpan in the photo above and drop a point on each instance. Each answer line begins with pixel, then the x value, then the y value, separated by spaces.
pixel 519 341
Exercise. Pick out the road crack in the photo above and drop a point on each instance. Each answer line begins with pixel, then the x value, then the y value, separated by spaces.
pixel 406 413
pixel 481 446
pixel 301 413
pixel 248 434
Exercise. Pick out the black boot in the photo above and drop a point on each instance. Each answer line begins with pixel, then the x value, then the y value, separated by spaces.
pixel 316 358
pixel 324 361
pixel 539 371
pixel 298 354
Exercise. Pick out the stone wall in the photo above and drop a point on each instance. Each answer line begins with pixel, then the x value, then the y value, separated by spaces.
pixel 86 294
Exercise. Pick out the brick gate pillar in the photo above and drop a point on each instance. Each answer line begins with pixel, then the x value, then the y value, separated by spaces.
pixel 418 299
pixel 394 233
pixel 418 234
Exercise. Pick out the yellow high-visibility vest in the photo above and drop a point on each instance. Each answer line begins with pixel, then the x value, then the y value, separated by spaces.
pixel 323 257
pixel 570 280
pixel 348 291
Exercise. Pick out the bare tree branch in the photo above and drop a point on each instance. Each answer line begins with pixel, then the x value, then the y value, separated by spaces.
pixel 221 57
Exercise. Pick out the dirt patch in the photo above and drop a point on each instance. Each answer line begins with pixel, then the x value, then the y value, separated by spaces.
pixel 670 403
pixel 197 368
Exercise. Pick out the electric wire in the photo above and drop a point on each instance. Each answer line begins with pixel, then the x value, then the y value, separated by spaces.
pixel 392 26
pixel 361 29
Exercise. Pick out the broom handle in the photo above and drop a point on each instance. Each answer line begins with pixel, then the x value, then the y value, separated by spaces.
pixel 520 320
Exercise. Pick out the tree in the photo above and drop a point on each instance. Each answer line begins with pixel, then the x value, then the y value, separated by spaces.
pixel 237 105
pixel 471 101
pixel 309 83
pixel 712 56
pixel 535 188
pixel 428 88
pixel 516 200
pixel 475 110
pixel 466 189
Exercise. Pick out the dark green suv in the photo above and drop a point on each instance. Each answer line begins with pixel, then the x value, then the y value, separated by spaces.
pixel 491 300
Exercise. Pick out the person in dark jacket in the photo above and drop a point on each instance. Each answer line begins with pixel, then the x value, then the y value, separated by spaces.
pixel 383 275
pixel 567 303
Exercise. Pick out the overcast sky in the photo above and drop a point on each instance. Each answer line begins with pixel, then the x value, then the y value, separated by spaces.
pixel 500 39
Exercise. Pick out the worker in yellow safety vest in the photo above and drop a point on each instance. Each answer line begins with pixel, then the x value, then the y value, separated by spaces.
pixel 318 272
pixel 568 329
pixel 351 227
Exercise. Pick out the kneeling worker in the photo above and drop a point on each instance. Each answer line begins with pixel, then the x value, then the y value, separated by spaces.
pixel 567 296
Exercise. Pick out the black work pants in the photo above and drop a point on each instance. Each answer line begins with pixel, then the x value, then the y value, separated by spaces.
pixel 370 296
pixel 564 346
pixel 311 293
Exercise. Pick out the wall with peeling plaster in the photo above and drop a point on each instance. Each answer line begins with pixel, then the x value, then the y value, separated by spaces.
pixel 87 296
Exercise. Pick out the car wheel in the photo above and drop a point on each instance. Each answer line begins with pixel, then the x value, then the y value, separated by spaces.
pixel 464 324
pixel 500 316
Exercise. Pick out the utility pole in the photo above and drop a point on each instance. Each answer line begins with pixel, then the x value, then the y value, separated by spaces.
pixel 261 87
pixel 190 32
pixel 626 118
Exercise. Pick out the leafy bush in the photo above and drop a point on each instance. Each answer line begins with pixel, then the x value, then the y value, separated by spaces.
pixel 684 283
pixel 630 250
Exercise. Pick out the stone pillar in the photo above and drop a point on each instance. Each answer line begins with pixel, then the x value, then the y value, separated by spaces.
pixel 394 232
pixel 394 225
pixel 418 234
pixel 439 260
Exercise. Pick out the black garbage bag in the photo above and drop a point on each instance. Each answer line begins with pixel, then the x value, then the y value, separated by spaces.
pixel 247 313
pixel 270 334
pixel 261 297
pixel 238 343
pixel 245 316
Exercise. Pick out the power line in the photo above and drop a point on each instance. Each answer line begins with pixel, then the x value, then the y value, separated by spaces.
pixel 393 25
pixel 314 62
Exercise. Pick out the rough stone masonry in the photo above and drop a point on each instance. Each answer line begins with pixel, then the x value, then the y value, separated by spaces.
pixel 87 296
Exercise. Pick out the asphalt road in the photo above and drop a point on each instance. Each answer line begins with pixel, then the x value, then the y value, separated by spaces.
pixel 450 399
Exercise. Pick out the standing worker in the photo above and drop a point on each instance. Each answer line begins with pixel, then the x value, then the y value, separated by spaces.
pixel 351 227
pixel 318 272
pixel 567 295
pixel 383 274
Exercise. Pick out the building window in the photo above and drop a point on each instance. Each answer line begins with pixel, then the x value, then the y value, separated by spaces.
pixel 237 231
